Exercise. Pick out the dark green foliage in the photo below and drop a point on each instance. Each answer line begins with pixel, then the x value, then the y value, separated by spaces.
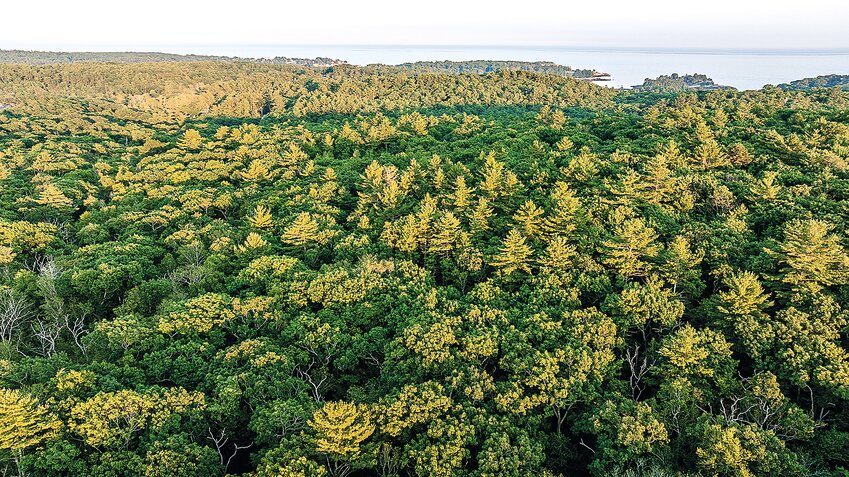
pixel 508 274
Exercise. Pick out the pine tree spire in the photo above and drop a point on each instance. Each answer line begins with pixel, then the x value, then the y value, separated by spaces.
pixel 515 254
pixel 261 217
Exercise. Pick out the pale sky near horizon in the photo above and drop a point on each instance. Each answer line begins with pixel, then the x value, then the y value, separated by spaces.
pixel 128 25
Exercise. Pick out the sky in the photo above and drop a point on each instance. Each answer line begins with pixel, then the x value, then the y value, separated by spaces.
pixel 156 24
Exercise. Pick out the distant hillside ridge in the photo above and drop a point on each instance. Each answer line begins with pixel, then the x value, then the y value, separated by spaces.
pixel 59 57
pixel 823 81
pixel 450 67
pixel 488 66
pixel 678 83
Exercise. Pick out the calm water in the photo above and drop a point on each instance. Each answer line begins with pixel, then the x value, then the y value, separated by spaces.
pixel 743 69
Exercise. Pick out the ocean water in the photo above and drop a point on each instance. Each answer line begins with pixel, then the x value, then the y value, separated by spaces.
pixel 742 69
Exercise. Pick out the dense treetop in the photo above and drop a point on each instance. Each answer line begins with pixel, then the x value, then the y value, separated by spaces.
pixel 268 270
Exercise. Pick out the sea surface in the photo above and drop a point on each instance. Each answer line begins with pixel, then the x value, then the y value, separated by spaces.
pixel 740 68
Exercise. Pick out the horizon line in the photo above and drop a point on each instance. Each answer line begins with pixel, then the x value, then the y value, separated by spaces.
pixel 152 48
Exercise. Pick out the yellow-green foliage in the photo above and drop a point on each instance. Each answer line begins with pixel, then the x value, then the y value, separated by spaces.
pixel 341 428
pixel 24 422
pixel 236 267
pixel 26 235
pixel 111 419
pixel 198 315
pixel 261 217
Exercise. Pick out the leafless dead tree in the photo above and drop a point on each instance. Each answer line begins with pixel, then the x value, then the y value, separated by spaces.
pixel 63 229
pixel 639 369
pixel 37 263
pixel 48 328
pixel 76 327
pixel 221 442
pixel 316 372
pixel 308 373
pixel 190 271
pixel 14 311
pixel 389 459
pixel 47 333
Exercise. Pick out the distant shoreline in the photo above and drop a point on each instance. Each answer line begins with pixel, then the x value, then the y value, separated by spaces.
pixel 743 69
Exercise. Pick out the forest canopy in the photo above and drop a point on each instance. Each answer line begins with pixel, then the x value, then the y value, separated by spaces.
pixel 274 270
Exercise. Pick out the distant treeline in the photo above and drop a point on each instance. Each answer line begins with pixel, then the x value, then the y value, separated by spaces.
pixel 451 67
pixel 58 57
pixel 187 89
pixel 824 81
pixel 487 66
pixel 678 83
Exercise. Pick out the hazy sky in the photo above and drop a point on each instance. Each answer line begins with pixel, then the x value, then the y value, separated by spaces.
pixel 111 24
